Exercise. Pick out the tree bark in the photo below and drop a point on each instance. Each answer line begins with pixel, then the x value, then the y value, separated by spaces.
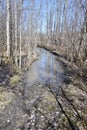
pixel 16 33
pixel 8 28
pixel 20 34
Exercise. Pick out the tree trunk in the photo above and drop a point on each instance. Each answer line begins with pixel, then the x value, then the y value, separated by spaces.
pixel 16 33
pixel 20 34
pixel 8 28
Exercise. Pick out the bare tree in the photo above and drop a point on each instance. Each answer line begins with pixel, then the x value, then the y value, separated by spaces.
pixel 16 41
pixel 8 28
pixel 20 34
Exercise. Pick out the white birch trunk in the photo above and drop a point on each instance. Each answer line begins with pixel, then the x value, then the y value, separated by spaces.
pixel 29 53
pixel 16 33
pixel 20 34
pixel 8 28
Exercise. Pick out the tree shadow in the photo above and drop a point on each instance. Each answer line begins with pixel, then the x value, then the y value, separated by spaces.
pixel 4 75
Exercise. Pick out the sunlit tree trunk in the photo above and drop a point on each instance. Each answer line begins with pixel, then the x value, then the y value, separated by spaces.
pixel 20 34
pixel 28 44
pixel 47 18
pixel 8 28
pixel 16 32
pixel 65 16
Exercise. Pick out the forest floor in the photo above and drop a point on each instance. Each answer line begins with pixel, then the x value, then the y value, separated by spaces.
pixel 47 106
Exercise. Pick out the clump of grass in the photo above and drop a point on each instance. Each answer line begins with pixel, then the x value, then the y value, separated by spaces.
pixel 14 80
pixel 16 70
pixel 5 60
pixel 50 97
pixel 1 88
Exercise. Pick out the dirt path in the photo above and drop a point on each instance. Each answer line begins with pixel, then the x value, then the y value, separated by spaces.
pixel 52 100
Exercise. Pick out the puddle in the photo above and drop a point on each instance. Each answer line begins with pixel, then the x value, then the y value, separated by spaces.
pixel 46 69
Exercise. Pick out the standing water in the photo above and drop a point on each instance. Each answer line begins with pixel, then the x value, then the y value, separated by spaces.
pixel 46 69
pixel 20 112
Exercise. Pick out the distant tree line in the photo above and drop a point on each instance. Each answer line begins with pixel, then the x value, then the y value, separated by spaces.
pixel 26 23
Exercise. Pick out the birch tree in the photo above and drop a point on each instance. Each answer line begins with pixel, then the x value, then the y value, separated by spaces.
pixel 20 34
pixel 16 34
pixel 8 28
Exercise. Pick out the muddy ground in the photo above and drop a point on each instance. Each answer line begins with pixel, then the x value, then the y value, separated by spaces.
pixel 46 107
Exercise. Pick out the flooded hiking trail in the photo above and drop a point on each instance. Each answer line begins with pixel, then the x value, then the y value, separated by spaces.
pixel 42 101
pixel 43 64
pixel 45 69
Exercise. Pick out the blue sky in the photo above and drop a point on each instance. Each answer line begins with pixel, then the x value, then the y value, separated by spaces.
pixel 42 3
